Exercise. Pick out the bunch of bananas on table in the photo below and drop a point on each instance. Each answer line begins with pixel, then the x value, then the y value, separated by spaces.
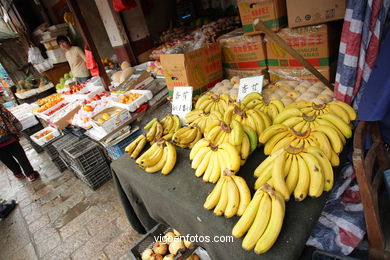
pixel 212 102
pixel 135 147
pixel 187 136
pixel 161 156
pixel 300 121
pixel 212 161
pixel 202 119
pixel 262 220
pixel 298 170
pixel 253 118
pixel 164 129
pixel 325 137
pixel 255 100
pixel 230 196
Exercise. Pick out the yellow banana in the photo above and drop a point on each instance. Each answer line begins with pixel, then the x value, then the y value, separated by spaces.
pixel 333 137
pixel 323 142
pixel 210 167
pixel 216 173
pixel 282 144
pixel 154 158
pixel 171 159
pixel 201 143
pixel 286 114
pixel 245 194
pixel 160 164
pixel 339 111
pixel 271 131
pixel 302 187
pixel 279 104
pixel 266 119
pixel 203 164
pixel 259 224
pixel 233 198
pixel 351 112
pixel 227 117
pixel 237 133
pixel 267 162
pixel 278 176
pixel 199 157
pixel 325 166
pixel 274 226
pixel 251 96
pixel 233 156
pixel 130 148
pixel 339 123
pixel 213 198
pixel 245 147
pixel 148 153
pixel 293 175
pixel 141 144
pixel 316 175
pixel 245 222
pixel 223 200
pixel 152 132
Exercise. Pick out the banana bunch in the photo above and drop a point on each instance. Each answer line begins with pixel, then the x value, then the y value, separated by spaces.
pixel 243 138
pixel 336 107
pixel 187 136
pixel 325 137
pixel 211 102
pixel 171 123
pixel 212 161
pixel 298 170
pixel 230 196
pixel 69 18
pixel 253 118
pixel 136 146
pixel 161 156
pixel 262 220
pixel 271 108
pixel 202 119
pixel 155 130
pixel 294 117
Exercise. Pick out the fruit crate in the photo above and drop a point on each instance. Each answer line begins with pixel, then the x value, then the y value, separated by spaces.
pixel 60 164
pixel 95 177
pixel 148 240
pixel 117 148
pixel 85 155
pixel 62 143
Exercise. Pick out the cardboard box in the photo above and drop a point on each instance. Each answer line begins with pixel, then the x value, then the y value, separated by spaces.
pixel 299 73
pixel 244 73
pixel 116 120
pixel 312 42
pixel 309 12
pixel 200 69
pixel 241 51
pixel 272 12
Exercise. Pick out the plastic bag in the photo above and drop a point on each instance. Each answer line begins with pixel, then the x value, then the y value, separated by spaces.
pixel 121 5
pixel 35 56
pixel 91 63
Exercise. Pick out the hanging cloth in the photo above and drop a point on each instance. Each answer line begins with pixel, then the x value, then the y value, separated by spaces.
pixel 122 5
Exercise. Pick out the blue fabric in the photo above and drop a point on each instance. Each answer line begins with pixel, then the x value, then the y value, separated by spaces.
pixel 375 101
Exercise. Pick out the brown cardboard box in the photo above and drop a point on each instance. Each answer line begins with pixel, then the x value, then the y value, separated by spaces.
pixel 65 120
pixel 312 42
pixel 244 73
pixel 298 73
pixel 272 12
pixel 241 51
pixel 200 69
pixel 309 12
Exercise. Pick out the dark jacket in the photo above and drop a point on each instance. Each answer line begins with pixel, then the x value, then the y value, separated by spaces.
pixel 10 126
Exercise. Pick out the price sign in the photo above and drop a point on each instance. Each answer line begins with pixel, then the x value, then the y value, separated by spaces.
pixel 249 85
pixel 182 101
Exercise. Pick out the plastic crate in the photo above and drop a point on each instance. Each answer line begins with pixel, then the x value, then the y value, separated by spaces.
pixel 323 255
pixel 77 131
pixel 148 240
pixel 60 164
pixel 85 155
pixel 96 177
pixel 117 150
pixel 62 143
pixel 51 151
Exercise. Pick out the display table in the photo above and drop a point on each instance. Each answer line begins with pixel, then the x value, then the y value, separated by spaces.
pixel 177 200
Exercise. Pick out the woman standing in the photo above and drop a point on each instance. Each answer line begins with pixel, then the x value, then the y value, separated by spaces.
pixel 11 152
pixel 76 59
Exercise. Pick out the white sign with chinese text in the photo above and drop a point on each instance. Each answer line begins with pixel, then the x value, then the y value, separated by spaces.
pixel 249 85
pixel 182 101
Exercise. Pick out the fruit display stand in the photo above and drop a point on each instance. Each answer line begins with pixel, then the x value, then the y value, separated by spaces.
pixel 177 200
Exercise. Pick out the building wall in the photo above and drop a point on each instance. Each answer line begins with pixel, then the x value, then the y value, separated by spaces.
pixel 94 23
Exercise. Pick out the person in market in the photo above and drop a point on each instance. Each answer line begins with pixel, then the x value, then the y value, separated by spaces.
pixel 76 59
pixel 11 152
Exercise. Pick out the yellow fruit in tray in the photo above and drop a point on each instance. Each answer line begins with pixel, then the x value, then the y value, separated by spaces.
pixel 101 120
pixel 117 112
pixel 106 116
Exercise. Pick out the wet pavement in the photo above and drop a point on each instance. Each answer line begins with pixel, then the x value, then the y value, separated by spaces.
pixel 59 217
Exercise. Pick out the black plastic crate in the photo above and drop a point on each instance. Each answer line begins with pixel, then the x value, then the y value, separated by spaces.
pixel 51 151
pixel 85 155
pixel 62 143
pixel 60 164
pixel 77 131
pixel 96 177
